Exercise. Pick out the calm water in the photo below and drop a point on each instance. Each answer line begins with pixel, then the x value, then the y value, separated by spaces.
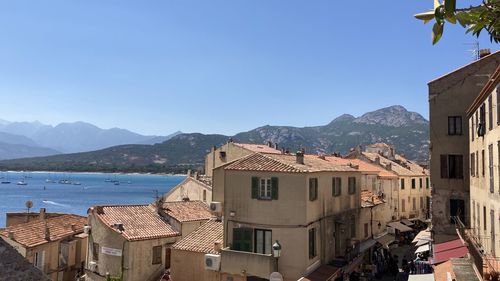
pixel 71 198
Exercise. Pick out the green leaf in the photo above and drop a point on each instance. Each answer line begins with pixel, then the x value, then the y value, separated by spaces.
pixel 450 6
pixel 451 18
pixel 462 19
pixel 437 32
pixel 427 16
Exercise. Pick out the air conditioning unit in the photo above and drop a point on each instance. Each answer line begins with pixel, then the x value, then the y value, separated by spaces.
pixel 391 230
pixel 212 262
pixel 216 207
pixel 93 266
pixel 86 229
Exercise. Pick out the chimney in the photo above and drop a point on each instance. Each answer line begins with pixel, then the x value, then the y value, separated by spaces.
pixel 270 143
pixel 484 52
pixel 189 173
pixel 42 214
pixel 377 160
pixel 276 146
pixel 73 227
pixel 47 232
pixel 299 156
pixel 388 167
pixel 11 235
pixel 196 175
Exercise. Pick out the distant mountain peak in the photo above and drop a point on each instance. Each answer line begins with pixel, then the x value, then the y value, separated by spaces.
pixel 344 117
pixel 394 116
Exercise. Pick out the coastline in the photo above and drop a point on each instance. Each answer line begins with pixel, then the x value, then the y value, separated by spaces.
pixel 95 173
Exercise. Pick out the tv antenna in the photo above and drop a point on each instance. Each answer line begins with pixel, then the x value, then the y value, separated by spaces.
pixel 475 50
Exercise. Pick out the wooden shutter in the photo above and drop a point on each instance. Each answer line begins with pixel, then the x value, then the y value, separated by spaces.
pixel 460 166
pixel 255 187
pixel 311 189
pixel 274 188
pixel 444 166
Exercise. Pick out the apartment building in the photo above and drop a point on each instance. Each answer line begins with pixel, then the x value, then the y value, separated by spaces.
pixel 55 245
pixel 308 204
pixel 194 187
pixel 412 200
pixel 449 98
pixel 484 143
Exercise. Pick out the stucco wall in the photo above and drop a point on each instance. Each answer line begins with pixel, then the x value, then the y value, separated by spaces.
pixel 190 266
pixel 189 188
pixel 451 96
pixel 233 152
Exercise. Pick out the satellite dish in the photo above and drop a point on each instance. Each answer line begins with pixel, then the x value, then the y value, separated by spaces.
pixel 275 276
pixel 29 205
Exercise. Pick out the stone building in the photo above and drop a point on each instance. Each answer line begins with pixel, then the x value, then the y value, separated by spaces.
pixel 13 266
pixel 449 98
pixel 55 245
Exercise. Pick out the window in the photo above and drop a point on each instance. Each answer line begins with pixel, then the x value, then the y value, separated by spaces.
pixel 39 260
pixel 242 239
pixel 454 125
pixel 472 131
pixel 414 205
pixel 204 195
pixel 457 209
pixel 157 253
pixel 420 181
pixel 265 188
pixel 313 189
pixel 312 243
pixel 353 226
pixel 482 162
pixel 95 251
pixel 477 164
pixel 472 164
pixel 452 166
pixel 478 217
pixel 421 203
pixel 481 126
pixel 336 186
pixel 474 214
pixel 490 112
pixel 427 182
pixel 403 207
pixel 263 242
pixel 413 184
pixel 366 229
pixel 402 183
pixel 352 185
pixel 484 218
pixel 490 162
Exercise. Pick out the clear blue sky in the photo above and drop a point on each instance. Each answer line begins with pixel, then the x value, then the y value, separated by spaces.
pixel 217 66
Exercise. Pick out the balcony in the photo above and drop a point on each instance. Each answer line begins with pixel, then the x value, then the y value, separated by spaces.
pixel 251 264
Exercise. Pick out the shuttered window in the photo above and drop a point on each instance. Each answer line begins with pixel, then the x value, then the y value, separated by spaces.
pixel 490 162
pixel 242 239
pixel 427 183
pixel 420 182
pixel 263 241
pixel 403 207
pixel 313 189
pixel 490 112
pixel 452 166
pixel 454 125
pixel 157 254
pixel 312 243
pixel 472 164
pixel 413 184
pixel 352 185
pixel 444 166
pixel 265 188
pixel 336 186
pixel 402 183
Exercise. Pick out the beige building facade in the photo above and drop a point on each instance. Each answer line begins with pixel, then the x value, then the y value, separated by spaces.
pixel 55 245
pixel 311 204
pixel 194 188
pixel 449 98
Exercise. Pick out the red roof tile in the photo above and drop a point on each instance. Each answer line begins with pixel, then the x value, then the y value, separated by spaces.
pixel 141 222
pixel 32 233
pixel 203 239
pixel 185 211
pixel 262 148
pixel 368 199
pixel 445 251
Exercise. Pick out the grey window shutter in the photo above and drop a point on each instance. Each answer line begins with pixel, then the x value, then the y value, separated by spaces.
pixel 274 188
pixel 255 187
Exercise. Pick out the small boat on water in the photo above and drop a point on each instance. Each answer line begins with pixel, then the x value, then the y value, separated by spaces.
pixel 77 183
pixel 117 183
pixel 22 182
pixel 107 180
pixel 5 182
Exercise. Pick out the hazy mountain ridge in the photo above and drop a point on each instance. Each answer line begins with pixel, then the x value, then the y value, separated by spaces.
pixel 408 131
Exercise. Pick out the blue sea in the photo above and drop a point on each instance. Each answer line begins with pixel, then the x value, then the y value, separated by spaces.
pixel 81 191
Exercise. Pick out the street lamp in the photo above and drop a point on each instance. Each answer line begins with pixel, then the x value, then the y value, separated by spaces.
pixel 276 252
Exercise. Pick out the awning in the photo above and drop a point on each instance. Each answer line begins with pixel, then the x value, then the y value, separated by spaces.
pixel 323 273
pixel 407 222
pixel 367 244
pixel 385 240
pixel 421 277
pixel 423 242
pixel 424 234
pixel 423 248
pixel 445 251
pixel 399 226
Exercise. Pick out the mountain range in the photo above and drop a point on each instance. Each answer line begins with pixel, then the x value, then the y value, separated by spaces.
pixel 407 131
pixel 31 139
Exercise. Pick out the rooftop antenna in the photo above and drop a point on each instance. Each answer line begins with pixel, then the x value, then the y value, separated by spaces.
pixel 475 50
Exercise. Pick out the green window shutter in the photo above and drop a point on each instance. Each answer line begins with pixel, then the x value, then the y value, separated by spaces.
pixel 247 239
pixel 315 188
pixel 237 234
pixel 311 189
pixel 255 187
pixel 334 193
pixel 274 188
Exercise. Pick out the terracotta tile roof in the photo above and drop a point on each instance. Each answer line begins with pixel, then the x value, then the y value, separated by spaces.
pixel 141 222
pixel 262 148
pixel 410 168
pixel 260 162
pixel 379 145
pixel 185 211
pixel 368 199
pixel 202 240
pixel 363 166
pixel 32 233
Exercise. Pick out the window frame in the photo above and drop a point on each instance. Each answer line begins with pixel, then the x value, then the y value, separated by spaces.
pixel 402 183
pixel 313 189
pixel 256 245
pixel 312 243
pixel 351 185
pixel 266 189
pixel 336 186
pixel 157 255
pixel 455 126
